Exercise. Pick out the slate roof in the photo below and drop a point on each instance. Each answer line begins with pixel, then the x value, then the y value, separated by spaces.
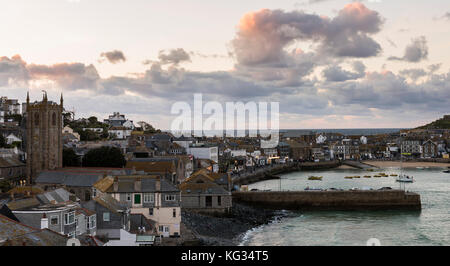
pixel 13 233
pixel 201 182
pixel 71 179
pixel 87 240
pixel 58 195
pixel 152 166
pixel 126 185
pixel 84 211
pixel 6 162
pixel 110 203
pixel 139 220
pixel 23 204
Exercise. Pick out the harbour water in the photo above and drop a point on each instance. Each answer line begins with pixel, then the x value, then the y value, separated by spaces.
pixel 429 227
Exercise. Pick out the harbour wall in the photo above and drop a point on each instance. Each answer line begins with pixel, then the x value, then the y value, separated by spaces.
pixel 271 173
pixel 331 200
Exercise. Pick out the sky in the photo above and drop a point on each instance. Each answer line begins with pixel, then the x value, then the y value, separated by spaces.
pixel 329 63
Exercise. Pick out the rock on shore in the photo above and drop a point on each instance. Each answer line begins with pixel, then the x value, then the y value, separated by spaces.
pixel 226 230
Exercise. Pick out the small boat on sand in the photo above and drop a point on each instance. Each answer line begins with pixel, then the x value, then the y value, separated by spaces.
pixel 357 176
pixel 367 176
pixel 315 178
pixel 349 177
pixel 377 176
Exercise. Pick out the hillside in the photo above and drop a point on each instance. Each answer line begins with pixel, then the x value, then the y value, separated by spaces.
pixel 443 123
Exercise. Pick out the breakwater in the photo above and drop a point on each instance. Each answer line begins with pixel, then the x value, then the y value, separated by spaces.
pixel 268 173
pixel 332 200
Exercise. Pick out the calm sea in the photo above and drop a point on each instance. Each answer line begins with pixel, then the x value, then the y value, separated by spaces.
pixel 431 226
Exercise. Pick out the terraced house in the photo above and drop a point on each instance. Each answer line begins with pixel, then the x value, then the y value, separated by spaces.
pixel 153 197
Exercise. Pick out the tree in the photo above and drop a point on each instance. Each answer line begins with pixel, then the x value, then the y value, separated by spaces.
pixel 2 141
pixel 104 157
pixel 93 120
pixel 88 135
pixel 67 117
pixel 70 158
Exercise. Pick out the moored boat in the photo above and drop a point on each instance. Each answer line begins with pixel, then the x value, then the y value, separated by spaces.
pixel 315 178
pixel 405 179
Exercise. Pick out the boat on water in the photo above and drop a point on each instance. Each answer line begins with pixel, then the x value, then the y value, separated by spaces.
pixel 377 176
pixel 367 176
pixel 349 177
pixel 315 178
pixel 394 175
pixel 405 179
pixel 420 168
pixel 446 171
pixel 313 189
pixel 357 176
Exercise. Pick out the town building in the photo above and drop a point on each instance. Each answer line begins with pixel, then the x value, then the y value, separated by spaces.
pixel 153 197
pixel 201 193
pixel 44 136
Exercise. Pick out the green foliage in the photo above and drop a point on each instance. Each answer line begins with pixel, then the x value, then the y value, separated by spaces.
pixel 2 141
pixel 5 186
pixel 438 124
pixel 89 135
pixel 70 158
pixel 14 117
pixel 104 157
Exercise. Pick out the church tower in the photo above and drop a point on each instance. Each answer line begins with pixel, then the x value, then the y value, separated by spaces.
pixel 44 136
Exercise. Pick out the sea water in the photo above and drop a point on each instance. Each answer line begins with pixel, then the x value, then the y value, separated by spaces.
pixel 431 226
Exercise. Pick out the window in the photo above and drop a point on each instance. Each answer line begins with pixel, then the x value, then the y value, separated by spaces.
pixel 208 201
pixel 174 213
pixel 149 198
pixel 92 223
pixel 170 198
pixel 54 220
pixel 161 228
pixel 219 200
pixel 36 119
pixel 137 198
pixel 150 211
pixel 69 218
pixel 54 119
pixel 106 217
pixel 76 222
pixel 128 196
pixel 94 192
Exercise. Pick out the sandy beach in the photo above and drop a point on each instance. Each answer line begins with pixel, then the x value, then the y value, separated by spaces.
pixel 384 164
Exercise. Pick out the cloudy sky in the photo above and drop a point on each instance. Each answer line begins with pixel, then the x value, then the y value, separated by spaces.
pixel 330 63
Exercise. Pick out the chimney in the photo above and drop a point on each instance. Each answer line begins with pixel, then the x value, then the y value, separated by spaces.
pixel 158 184
pixel 116 184
pixel 44 221
pixel 137 185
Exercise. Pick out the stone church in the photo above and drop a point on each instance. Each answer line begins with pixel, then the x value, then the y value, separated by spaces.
pixel 43 136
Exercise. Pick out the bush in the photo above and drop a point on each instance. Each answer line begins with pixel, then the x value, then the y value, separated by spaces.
pixel 104 157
